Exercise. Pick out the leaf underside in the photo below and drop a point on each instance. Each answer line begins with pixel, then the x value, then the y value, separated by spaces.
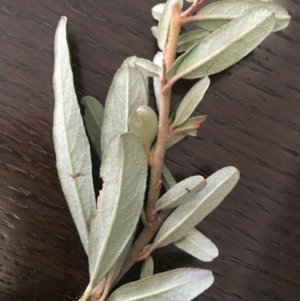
pixel 73 160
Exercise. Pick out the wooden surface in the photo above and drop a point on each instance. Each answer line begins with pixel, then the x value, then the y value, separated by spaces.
pixel 253 124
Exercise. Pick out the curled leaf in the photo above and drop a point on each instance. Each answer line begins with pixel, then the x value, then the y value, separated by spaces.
pixel 154 31
pixel 157 10
pixel 93 117
pixel 198 245
pixel 145 66
pixel 190 101
pixel 187 216
pixel 223 47
pixel 120 206
pixel 143 123
pixel 73 160
pixel 127 92
pixel 176 285
pixel 216 14
pixel 147 267
pixel 180 193
pixel 187 40
pixel 188 128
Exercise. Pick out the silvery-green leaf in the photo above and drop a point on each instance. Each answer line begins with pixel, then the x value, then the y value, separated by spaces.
pixel 147 267
pixel 216 14
pixel 127 92
pixel 225 46
pixel 180 193
pixel 71 145
pixel 175 139
pixel 186 40
pixel 190 101
pixel 154 31
pixel 130 62
pixel 119 262
pixel 93 117
pixel 198 245
pixel 164 23
pixel 191 1
pixel 157 10
pixel 167 178
pixel 145 66
pixel 158 60
pixel 187 216
pixel 143 123
pixel 124 167
pixel 191 126
pixel 177 285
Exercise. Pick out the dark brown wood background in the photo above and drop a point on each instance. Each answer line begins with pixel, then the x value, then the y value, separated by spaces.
pixel 253 123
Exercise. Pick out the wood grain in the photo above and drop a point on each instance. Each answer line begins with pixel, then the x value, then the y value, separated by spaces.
pixel 253 123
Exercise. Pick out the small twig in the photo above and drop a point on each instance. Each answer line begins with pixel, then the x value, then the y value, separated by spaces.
pixel 191 9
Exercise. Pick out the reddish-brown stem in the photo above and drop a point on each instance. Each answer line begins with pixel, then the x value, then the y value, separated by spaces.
pixel 152 221
pixel 191 9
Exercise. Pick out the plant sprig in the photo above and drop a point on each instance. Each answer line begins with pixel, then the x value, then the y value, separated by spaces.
pixel 130 139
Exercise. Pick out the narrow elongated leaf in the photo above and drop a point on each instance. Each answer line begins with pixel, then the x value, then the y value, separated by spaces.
pixel 143 123
pixel 119 262
pixel 93 117
pixel 158 60
pixel 164 23
pixel 216 14
pixel 124 165
pixel 147 267
pixel 127 92
pixel 176 285
pixel 225 46
pixel 190 126
pixel 167 178
pixel 190 101
pixel 176 138
pixel 180 193
pixel 157 10
pixel 198 245
pixel 145 66
pixel 71 145
pixel 186 40
pixel 187 216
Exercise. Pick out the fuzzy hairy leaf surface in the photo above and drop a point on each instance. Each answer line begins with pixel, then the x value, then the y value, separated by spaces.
pixel 145 66
pixel 164 24
pixel 191 101
pixel 198 245
pixel 127 92
pixel 180 193
pixel 176 285
pixel 216 14
pixel 73 160
pixel 158 60
pixel 124 172
pixel 147 267
pixel 143 122
pixel 187 216
pixel 93 117
pixel 225 46
pixel 119 262
pixel 187 40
